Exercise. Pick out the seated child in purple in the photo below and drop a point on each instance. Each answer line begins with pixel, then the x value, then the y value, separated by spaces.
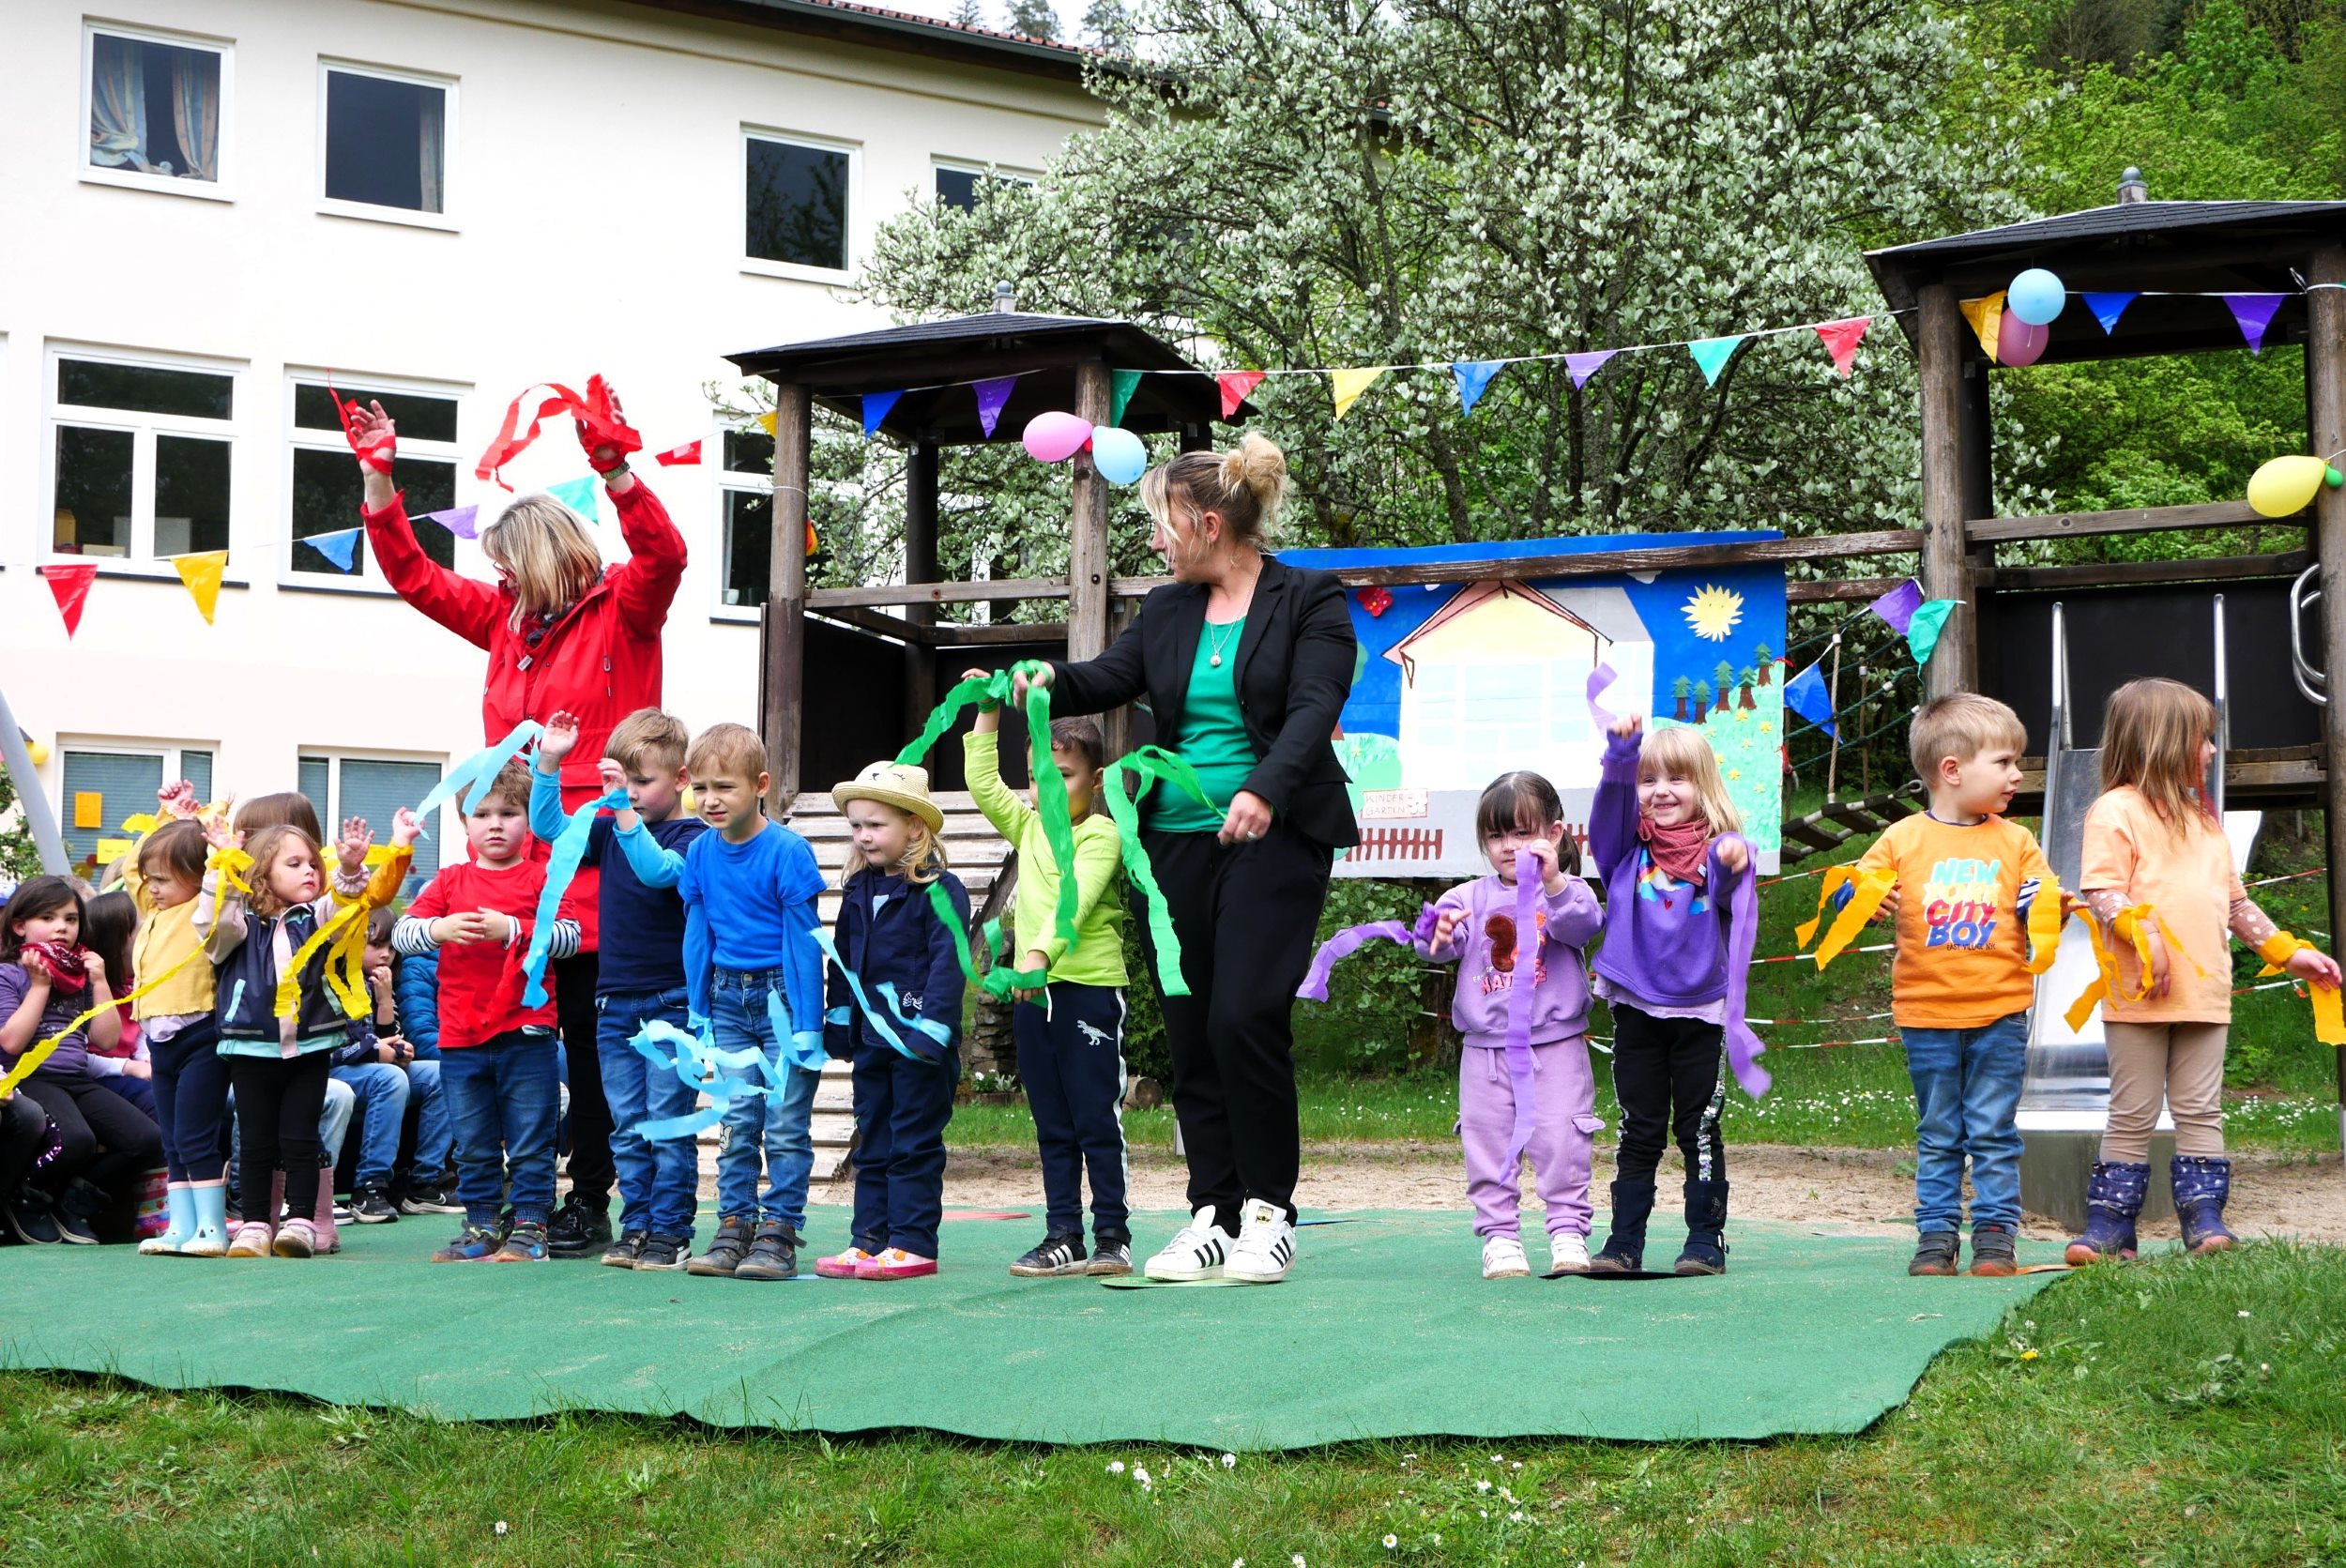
pixel 1475 928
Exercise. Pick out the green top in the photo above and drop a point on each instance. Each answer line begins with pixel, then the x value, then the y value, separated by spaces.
pixel 1212 738
pixel 1097 957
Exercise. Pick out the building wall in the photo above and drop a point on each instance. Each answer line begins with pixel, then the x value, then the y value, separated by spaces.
pixel 594 222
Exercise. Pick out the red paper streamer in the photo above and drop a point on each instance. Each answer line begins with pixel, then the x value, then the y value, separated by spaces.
pixel 1235 385
pixel 368 454
pixel 603 427
pixel 69 584
pixel 687 453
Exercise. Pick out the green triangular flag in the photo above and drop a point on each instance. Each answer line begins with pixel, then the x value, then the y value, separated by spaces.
pixel 1922 633
pixel 1127 383
pixel 1712 353
pixel 578 494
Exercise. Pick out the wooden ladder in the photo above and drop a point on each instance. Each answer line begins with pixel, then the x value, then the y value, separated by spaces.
pixel 1821 832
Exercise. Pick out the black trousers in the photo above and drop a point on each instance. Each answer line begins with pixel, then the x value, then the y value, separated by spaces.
pixel 1246 916
pixel 1071 1062
pixel 591 1171
pixel 106 1140
pixel 278 1102
pixel 23 1133
pixel 1666 1075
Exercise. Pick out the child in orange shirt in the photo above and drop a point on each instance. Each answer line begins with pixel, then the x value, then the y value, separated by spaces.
pixel 1959 983
pixel 2157 864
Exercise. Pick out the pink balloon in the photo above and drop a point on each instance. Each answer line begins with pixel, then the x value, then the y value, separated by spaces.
pixel 2019 343
pixel 1056 437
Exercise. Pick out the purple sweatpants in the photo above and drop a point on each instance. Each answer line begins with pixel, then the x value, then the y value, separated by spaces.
pixel 1563 1130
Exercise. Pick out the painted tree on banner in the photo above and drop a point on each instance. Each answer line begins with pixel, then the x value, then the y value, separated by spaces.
pixel 1349 184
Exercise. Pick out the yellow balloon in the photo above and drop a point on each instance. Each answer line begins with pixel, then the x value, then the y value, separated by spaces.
pixel 2287 485
pixel 38 753
pixel 688 802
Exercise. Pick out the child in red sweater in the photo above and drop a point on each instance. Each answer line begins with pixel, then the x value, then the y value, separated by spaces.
pixel 497 1054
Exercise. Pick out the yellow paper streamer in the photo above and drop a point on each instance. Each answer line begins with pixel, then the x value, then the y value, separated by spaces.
pixel 344 938
pixel 41 1051
pixel 2329 1004
pixel 2134 922
pixel 2044 925
pixel 1871 887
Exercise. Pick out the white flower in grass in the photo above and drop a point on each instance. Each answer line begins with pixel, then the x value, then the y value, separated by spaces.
pixel 1515 1518
pixel 1482 1485
pixel 1116 1466
pixel 1297 1560
pixel 1392 1541
pixel 500 1527
pixel 1229 1461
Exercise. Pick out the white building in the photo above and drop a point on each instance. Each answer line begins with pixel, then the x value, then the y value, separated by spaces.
pixel 211 207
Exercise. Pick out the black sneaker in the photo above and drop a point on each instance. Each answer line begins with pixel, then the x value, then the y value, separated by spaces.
pixel 663 1252
pixel 1993 1253
pixel 725 1253
pixel 1110 1258
pixel 525 1243
pixel 1055 1256
pixel 773 1254
pixel 1935 1254
pixel 579 1228
pixel 371 1205
pixel 623 1252
pixel 434 1196
pixel 30 1219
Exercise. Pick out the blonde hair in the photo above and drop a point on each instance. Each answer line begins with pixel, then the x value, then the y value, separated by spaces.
pixel 1683 749
pixel 647 736
pixel 548 553
pixel 264 846
pixel 1960 726
pixel 510 785
pixel 923 859
pixel 1244 486
pixel 2151 737
pixel 721 748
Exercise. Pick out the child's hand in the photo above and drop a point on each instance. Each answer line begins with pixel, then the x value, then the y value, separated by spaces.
pixel 2159 967
pixel 221 836
pixel 176 800
pixel 459 930
pixel 1446 925
pixel 497 926
pixel 37 973
pixel 1888 909
pixel 1627 725
pixel 989 713
pixel 1734 854
pixel 358 838
pixel 559 736
pixel 2312 964
pixel 136 1069
pixel 1551 874
pixel 405 829
pixel 611 775
pixel 96 969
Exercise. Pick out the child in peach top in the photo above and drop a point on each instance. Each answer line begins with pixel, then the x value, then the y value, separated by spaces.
pixel 2157 870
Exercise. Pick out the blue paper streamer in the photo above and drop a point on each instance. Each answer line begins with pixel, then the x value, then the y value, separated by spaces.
pixel 561 866
pixel 800 1049
pixel 881 1025
pixel 699 1065
pixel 478 768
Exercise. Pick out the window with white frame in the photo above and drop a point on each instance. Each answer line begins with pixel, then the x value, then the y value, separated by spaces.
pixel 142 454
pixel 153 103
pixel 385 138
pixel 745 495
pixel 958 184
pixel 104 785
pixel 794 201
pixel 326 486
pixel 374 787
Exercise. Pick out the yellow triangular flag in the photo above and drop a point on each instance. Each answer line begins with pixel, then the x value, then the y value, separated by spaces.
pixel 1985 317
pixel 1349 385
pixel 768 421
pixel 201 574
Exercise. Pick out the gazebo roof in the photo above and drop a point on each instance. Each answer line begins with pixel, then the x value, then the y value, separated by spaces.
pixel 932 363
pixel 2191 249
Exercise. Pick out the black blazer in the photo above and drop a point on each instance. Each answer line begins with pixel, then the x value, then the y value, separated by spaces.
pixel 1294 671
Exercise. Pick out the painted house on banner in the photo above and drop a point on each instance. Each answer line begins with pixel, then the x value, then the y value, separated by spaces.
pixel 215 208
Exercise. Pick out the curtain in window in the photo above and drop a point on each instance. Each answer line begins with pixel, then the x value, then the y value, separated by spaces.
pixel 117 104
pixel 431 115
pixel 195 110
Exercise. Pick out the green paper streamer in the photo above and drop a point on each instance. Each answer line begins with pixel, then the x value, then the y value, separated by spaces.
pixel 999 978
pixel 1146 766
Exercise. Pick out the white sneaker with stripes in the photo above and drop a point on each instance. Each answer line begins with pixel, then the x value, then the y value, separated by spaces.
pixel 1266 1245
pixel 1198 1249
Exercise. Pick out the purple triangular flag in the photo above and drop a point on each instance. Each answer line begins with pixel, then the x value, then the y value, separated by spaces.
pixel 1583 366
pixel 2108 308
pixel 991 396
pixel 2254 311
pixel 876 406
pixel 464 522
pixel 1896 608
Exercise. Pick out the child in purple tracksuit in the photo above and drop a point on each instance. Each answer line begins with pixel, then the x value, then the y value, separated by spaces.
pixel 1475 926
pixel 1667 840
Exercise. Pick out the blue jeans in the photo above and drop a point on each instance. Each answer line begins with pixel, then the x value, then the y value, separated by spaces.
pixel 382 1095
pixel 503 1096
pixel 436 1134
pixel 1967 1098
pixel 659 1183
pixel 753 1124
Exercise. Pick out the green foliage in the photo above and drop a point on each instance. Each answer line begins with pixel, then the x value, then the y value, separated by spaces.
pixel 20 857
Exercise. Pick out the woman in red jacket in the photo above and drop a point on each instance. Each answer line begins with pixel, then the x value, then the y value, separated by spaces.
pixel 562 632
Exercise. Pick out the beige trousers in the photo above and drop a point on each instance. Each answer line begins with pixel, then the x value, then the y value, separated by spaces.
pixel 2185 1062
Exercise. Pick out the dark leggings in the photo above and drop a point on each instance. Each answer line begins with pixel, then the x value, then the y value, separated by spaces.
pixel 278 1102
pixel 23 1133
pixel 192 1102
pixel 106 1139
pixel 1666 1075
pixel 591 1170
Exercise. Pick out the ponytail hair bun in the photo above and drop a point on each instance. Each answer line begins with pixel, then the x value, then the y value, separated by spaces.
pixel 1244 486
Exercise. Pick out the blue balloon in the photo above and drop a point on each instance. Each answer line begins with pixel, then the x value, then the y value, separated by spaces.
pixel 2035 296
pixel 1119 454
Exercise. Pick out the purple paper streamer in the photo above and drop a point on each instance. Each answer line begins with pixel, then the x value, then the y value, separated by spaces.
pixel 1896 608
pixel 1345 943
pixel 1521 995
pixel 1599 679
pixel 1743 1047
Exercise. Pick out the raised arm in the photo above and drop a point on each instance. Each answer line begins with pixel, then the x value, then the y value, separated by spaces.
pixel 1613 817
pixel 982 767
pixel 470 609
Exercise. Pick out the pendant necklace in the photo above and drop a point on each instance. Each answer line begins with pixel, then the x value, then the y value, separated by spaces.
pixel 1221 642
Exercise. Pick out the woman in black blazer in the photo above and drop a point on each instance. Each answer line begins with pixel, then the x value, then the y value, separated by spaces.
pixel 1245 664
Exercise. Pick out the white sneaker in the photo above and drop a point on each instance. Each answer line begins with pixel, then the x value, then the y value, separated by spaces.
pixel 1567 1253
pixel 1198 1249
pixel 1502 1258
pixel 1266 1245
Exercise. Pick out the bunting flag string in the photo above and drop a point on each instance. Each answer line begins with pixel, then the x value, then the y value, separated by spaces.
pixel 1896 608
pixel 69 585
pixel 201 573
pixel 465 522
pixel 2254 313
pixel 2108 308
pixel 1806 694
pixel 1987 319
pixel 1841 339
pixel 1582 366
pixel 1348 385
pixel 1234 385
pixel 1472 376
pixel 1922 631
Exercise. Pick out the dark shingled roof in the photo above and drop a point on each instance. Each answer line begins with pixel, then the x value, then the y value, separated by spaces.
pixel 932 361
pixel 849 21
pixel 2188 248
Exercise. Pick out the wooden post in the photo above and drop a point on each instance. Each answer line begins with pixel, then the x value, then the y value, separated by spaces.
pixel 920 567
pixel 1087 546
pixel 1832 697
pixel 786 597
pixel 2325 387
pixel 1939 352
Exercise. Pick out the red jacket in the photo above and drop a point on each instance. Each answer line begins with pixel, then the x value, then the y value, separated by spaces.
pixel 481 982
pixel 601 660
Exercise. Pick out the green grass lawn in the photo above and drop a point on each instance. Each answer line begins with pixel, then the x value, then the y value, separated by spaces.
pixel 2173 1411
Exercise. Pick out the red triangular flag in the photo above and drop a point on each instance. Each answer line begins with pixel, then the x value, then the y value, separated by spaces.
pixel 1841 339
pixel 69 582
pixel 1235 385
pixel 687 453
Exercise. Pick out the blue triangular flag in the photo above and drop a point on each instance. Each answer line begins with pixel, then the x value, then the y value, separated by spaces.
pixel 876 407
pixel 577 494
pixel 2108 308
pixel 1805 695
pixel 1712 353
pixel 341 547
pixel 1474 375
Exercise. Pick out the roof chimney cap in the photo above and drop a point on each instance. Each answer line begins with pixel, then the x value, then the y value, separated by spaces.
pixel 2130 186
pixel 1005 303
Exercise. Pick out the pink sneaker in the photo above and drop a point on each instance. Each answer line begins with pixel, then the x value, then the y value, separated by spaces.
pixel 848 1264
pixel 296 1239
pixel 896 1263
pixel 252 1239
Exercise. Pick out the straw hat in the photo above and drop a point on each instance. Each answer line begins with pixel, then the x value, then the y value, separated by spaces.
pixel 893 784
